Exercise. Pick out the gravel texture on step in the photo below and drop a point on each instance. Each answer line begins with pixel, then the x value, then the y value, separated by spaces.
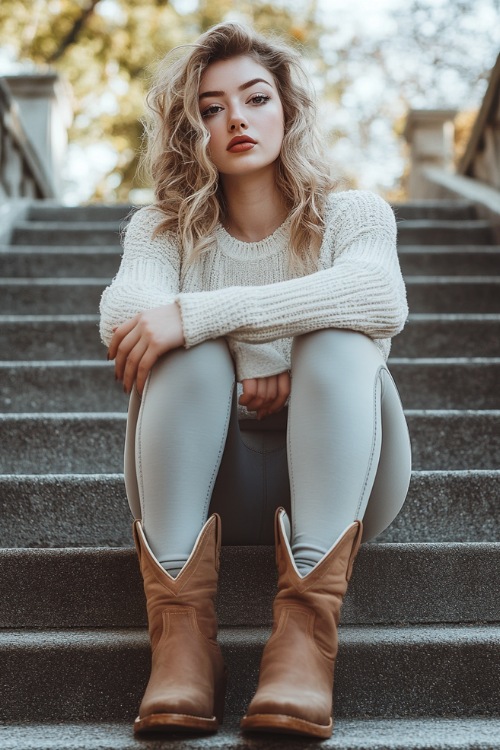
pixel 51 296
pixel 444 232
pixel 93 443
pixel 89 386
pixel 453 294
pixel 75 233
pixel 391 584
pixel 50 337
pixel 429 209
pixel 59 262
pixel 43 211
pixel 87 510
pixel 448 335
pixel 426 294
pixel 63 337
pixel 381 671
pixel 466 260
pixel 426 733
pixel 74 261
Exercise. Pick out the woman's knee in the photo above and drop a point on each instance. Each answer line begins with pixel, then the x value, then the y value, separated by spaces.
pixel 327 355
pixel 200 367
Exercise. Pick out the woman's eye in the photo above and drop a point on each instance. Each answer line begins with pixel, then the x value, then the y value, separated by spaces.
pixel 260 99
pixel 212 110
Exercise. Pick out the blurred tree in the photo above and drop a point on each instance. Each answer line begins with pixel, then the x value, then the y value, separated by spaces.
pixel 106 48
pixel 367 73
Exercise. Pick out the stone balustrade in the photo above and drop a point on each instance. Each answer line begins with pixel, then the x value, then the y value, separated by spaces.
pixel 22 173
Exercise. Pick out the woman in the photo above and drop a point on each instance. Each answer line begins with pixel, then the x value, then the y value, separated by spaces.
pixel 249 268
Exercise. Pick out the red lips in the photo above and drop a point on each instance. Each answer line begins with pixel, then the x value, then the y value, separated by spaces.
pixel 239 139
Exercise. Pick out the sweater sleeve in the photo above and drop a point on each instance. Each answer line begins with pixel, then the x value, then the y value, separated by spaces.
pixel 148 275
pixel 362 290
pixel 256 360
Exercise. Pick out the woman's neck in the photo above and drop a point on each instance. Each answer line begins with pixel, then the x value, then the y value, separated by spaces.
pixel 254 206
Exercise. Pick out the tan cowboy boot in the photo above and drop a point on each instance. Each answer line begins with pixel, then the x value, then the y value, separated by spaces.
pixel 187 683
pixel 294 693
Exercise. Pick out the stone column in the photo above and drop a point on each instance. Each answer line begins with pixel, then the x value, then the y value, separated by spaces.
pixel 44 102
pixel 430 135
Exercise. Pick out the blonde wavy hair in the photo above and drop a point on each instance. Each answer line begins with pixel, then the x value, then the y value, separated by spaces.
pixel 187 188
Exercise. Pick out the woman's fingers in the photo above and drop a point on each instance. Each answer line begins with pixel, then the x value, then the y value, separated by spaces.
pixel 265 395
pixel 125 347
pixel 132 364
pixel 148 360
pixel 119 335
pixel 284 385
pixel 249 391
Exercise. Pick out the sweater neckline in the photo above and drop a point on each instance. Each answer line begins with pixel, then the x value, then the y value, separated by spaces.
pixel 264 248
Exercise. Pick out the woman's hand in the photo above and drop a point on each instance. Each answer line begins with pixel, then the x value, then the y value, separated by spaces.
pixel 266 395
pixel 139 342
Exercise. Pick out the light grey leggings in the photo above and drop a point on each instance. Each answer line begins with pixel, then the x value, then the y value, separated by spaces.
pixel 341 453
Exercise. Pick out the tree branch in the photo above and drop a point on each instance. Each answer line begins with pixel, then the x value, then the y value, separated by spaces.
pixel 72 35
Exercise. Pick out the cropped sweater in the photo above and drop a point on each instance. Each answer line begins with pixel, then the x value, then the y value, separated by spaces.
pixel 245 292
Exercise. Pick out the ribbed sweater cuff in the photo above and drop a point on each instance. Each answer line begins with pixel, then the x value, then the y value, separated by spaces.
pixel 209 315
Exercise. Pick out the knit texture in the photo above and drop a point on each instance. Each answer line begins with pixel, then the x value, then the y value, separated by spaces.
pixel 246 292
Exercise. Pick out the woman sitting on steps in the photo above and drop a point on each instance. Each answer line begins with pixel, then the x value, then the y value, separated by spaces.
pixel 250 322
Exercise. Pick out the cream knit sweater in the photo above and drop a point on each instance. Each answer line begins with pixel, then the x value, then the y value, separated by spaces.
pixel 245 292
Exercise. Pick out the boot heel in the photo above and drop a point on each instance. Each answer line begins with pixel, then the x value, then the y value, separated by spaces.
pixel 220 698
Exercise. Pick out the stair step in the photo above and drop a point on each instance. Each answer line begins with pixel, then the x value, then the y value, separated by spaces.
pixel 410 232
pixel 69 588
pixel 50 296
pixel 443 210
pixel 85 510
pixel 71 233
pixel 115 212
pixel 475 260
pixel 45 337
pixel 50 337
pixel 424 733
pixel 59 262
pixel 380 671
pixel 448 294
pixel 426 294
pixel 438 232
pixel 449 335
pixel 90 443
pixel 73 262
pixel 89 386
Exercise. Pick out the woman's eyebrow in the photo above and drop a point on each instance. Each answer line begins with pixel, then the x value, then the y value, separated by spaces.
pixel 240 88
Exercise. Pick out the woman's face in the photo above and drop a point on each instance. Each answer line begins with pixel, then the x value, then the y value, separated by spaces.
pixel 242 110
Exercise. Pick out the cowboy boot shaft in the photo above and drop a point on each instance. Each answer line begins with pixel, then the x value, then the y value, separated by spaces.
pixel 195 586
pixel 322 591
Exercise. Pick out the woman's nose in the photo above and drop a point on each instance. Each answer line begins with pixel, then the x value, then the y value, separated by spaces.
pixel 236 121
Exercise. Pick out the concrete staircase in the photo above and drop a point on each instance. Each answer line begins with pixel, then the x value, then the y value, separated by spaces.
pixel 420 639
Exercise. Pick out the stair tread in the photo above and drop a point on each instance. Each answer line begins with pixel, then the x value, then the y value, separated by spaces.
pixel 59 580
pixel 78 442
pixel 91 508
pixel 455 635
pixel 423 733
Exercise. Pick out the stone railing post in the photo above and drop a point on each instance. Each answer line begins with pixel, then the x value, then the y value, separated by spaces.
pixel 430 135
pixel 45 110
